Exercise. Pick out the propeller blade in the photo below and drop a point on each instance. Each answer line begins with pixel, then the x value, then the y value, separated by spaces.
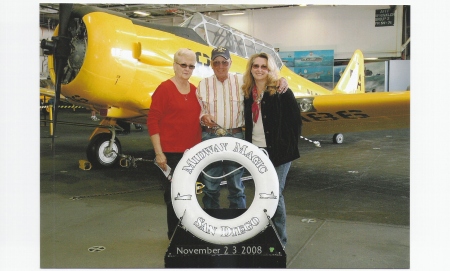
pixel 61 54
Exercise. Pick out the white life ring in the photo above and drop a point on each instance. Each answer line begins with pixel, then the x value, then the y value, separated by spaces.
pixel 225 231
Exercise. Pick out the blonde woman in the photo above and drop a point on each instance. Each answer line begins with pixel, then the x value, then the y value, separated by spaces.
pixel 223 105
pixel 173 122
pixel 272 122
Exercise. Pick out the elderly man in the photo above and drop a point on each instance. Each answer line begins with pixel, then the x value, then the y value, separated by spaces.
pixel 222 114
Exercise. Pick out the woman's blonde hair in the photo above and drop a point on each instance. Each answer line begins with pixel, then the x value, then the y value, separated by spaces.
pixel 183 52
pixel 272 77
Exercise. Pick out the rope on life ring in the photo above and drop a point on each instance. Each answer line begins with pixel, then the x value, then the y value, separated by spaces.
pixel 225 231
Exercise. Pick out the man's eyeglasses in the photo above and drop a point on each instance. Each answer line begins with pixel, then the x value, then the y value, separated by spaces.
pixel 224 63
pixel 184 66
pixel 256 66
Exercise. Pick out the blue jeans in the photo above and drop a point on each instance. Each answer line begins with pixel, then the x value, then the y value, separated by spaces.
pixel 235 186
pixel 279 218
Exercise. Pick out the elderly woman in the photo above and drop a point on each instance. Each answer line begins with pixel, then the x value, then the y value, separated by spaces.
pixel 272 122
pixel 173 122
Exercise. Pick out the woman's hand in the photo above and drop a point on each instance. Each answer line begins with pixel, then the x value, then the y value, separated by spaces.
pixel 161 160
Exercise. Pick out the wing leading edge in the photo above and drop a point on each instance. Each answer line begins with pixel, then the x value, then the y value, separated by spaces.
pixel 340 113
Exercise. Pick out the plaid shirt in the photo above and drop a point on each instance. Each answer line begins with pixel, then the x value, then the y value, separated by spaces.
pixel 224 101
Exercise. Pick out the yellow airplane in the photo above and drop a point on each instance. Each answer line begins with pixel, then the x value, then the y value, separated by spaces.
pixel 110 63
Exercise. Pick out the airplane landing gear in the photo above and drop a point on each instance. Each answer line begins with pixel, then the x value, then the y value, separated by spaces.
pixel 103 151
pixel 338 138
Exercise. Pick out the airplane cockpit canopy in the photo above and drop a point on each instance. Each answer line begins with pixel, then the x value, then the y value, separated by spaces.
pixel 218 34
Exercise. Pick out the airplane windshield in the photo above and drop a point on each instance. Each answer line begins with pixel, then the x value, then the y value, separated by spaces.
pixel 218 34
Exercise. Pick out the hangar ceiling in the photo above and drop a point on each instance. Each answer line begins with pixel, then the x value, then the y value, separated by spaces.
pixel 48 12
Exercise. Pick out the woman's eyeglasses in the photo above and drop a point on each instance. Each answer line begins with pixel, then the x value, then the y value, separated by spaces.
pixel 224 63
pixel 256 66
pixel 184 66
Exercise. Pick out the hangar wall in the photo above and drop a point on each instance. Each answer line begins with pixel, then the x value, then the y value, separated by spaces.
pixel 340 28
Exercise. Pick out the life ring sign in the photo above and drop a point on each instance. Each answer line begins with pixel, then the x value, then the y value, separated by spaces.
pixel 225 231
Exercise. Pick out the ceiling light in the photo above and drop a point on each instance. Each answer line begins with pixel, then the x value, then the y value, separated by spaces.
pixel 234 13
pixel 141 13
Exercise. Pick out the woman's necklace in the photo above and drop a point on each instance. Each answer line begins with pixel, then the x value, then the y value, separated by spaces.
pixel 260 96
pixel 183 88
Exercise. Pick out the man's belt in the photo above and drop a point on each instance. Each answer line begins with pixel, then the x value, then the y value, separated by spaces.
pixel 221 131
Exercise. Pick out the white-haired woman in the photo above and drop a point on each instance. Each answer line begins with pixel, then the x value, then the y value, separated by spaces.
pixel 173 122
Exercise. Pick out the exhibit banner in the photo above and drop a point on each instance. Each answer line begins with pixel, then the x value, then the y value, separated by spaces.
pixel 314 65
pixel 374 75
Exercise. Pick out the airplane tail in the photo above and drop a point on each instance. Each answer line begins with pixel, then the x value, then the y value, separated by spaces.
pixel 352 79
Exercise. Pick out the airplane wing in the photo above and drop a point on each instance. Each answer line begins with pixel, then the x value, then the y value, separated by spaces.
pixel 47 92
pixel 329 114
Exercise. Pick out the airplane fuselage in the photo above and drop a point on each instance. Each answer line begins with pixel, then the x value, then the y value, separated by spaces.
pixel 116 63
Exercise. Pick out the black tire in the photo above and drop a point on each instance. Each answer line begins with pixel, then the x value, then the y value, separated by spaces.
pixel 338 138
pixel 96 151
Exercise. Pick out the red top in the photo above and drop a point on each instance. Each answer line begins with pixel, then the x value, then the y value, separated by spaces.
pixel 175 117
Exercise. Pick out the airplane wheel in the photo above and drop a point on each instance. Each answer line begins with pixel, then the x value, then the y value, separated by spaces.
pixel 98 154
pixel 338 138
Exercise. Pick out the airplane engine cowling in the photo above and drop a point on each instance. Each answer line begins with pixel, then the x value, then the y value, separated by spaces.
pixel 77 35
pixel 78 43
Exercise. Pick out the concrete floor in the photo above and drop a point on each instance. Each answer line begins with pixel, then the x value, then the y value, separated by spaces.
pixel 348 205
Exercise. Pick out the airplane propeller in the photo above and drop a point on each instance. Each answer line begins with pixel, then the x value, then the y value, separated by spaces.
pixel 59 46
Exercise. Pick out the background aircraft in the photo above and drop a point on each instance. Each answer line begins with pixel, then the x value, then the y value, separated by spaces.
pixel 110 63
pixel 314 75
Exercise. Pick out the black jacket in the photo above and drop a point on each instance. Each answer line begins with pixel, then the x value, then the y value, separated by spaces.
pixel 282 125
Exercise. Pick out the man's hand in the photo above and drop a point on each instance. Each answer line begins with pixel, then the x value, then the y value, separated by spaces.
pixel 208 121
pixel 282 85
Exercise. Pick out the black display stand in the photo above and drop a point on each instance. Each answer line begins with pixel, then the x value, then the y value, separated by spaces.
pixel 262 251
